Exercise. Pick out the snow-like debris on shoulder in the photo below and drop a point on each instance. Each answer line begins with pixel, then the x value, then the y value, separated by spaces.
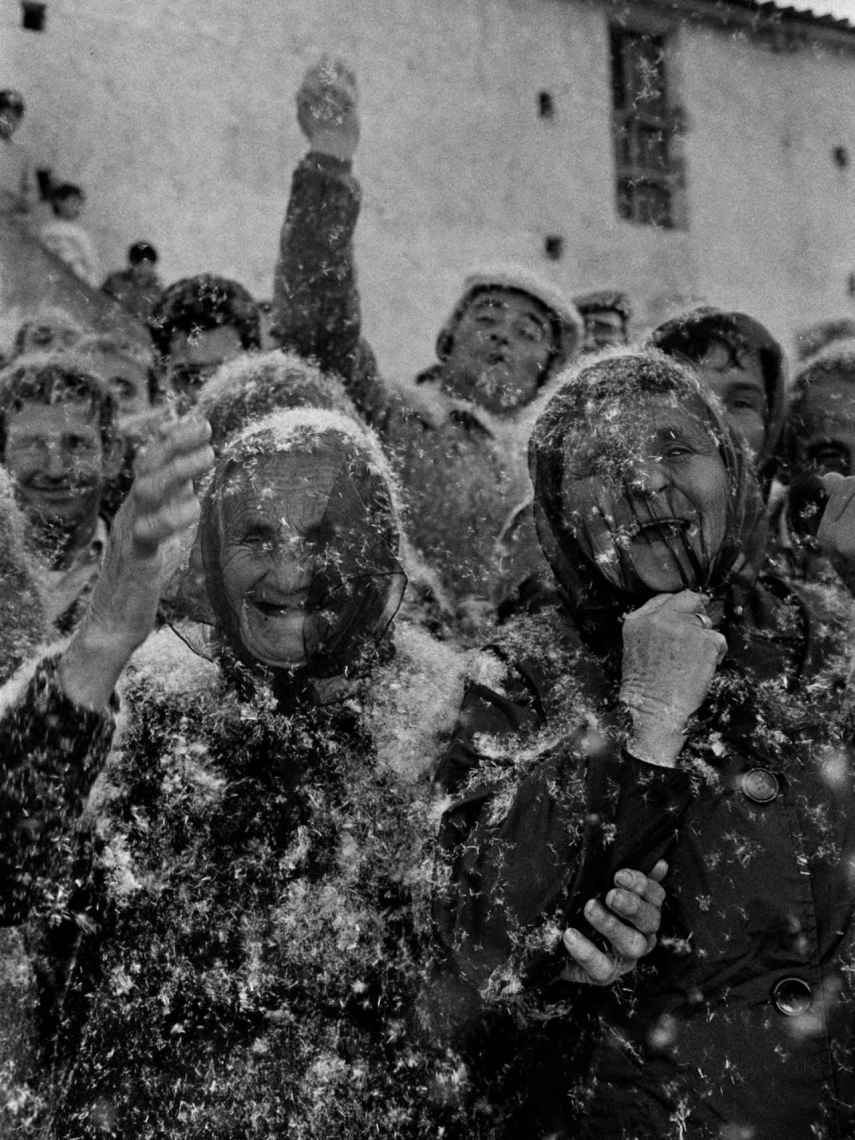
pixel 165 665
pixel 414 701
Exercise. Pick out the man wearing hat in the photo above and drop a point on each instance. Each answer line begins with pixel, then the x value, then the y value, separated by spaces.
pixel 17 184
pixel 606 313
pixel 458 438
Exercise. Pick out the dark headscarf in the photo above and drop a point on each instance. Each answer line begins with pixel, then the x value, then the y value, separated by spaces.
pixel 361 589
pixel 606 391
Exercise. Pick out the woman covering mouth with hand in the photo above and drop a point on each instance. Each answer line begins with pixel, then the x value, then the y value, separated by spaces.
pixel 675 704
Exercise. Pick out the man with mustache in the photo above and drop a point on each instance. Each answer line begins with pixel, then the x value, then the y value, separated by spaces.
pixel 59 444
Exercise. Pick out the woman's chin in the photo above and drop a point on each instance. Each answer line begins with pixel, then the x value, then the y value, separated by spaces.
pixel 279 642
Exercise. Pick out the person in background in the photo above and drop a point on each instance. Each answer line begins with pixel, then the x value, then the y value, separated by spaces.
pixel 137 287
pixel 457 438
pixel 51 329
pixel 607 314
pixel 198 324
pixel 18 193
pixel 67 238
pixel 60 445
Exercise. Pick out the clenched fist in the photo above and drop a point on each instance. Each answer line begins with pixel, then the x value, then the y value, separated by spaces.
pixel 327 108
pixel 670 655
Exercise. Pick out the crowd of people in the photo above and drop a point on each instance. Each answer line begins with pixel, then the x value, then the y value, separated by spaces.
pixel 466 757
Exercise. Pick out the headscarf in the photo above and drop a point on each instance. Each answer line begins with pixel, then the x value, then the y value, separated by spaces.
pixel 601 398
pixel 359 585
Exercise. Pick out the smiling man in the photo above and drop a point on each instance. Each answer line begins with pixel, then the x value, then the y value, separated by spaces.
pixel 60 446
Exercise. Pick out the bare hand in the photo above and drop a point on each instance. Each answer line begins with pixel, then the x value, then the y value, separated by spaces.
pixel 836 534
pixel 670 655
pixel 327 108
pixel 629 921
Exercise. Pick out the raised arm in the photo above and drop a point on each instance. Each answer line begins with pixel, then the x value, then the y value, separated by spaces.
pixel 315 296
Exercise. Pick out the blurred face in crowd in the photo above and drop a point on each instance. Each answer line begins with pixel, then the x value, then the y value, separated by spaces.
pixel 10 120
pixel 649 490
pixel 502 345
pixel 127 377
pixel 41 335
pixel 736 377
pixel 604 328
pixel 69 209
pixel 55 455
pixel 144 272
pixel 825 439
pixel 195 357
pixel 293 543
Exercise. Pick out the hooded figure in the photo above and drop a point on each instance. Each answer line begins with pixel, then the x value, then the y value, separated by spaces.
pixel 739 359
pixel 675 704
pixel 236 948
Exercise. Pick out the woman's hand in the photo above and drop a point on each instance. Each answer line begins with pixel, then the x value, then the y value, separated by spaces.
pixel 629 921
pixel 670 655
pixel 161 506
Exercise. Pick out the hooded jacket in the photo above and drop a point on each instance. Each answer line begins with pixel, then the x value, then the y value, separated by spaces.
pixel 230 941
pixel 740 1021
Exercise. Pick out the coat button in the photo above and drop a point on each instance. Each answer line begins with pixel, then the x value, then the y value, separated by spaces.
pixel 792 996
pixel 760 785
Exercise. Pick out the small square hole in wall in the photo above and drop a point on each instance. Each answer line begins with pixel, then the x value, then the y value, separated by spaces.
pixel 553 246
pixel 841 156
pixel 44 181
pixel 33 15
pixel 545 105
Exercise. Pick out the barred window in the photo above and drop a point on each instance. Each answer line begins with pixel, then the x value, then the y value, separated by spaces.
pixel 648 177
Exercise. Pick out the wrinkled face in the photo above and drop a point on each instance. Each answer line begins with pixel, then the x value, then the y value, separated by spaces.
pixel 648 492
pixel 603 329
pixel 128 379
pixel 55 455
pixel 193 358
pixel 826 435
pixel 736 377
pixel 295 538
pixel 502 345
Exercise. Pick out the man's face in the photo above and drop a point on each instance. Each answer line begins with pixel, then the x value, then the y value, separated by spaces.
pixel 69 208
pixel 648 489
pixel 193 358
pixel 603 329
pixel 736 377
pixel 55 456
pixel 502 345
pixel 128 380
pixel 826 434
pixel 144 272
pixel 294 539
pixel 10 120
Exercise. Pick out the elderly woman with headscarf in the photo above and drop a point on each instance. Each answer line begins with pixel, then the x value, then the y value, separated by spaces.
pixel 675 703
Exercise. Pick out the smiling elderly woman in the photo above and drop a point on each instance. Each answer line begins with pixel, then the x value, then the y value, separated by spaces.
pixel 699 708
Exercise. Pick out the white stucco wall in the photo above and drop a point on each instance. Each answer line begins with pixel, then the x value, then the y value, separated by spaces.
pixel 177 117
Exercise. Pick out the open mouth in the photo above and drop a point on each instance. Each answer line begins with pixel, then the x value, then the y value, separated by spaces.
pixel 279 607
pixel 659 528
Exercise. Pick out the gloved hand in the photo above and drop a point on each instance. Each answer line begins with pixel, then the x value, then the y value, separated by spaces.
pixel 327 108
pixel 670 655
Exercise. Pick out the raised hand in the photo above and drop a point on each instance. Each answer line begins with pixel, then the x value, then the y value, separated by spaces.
pixel 160 507
pixel 670 655
pixel 327 108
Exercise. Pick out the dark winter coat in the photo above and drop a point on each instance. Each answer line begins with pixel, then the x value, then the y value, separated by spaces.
pixel 740 1022
pixel 231 943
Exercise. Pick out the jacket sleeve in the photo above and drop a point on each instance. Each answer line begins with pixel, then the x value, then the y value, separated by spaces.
pixel 528 840
pixel 50 753
pixel 316 309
